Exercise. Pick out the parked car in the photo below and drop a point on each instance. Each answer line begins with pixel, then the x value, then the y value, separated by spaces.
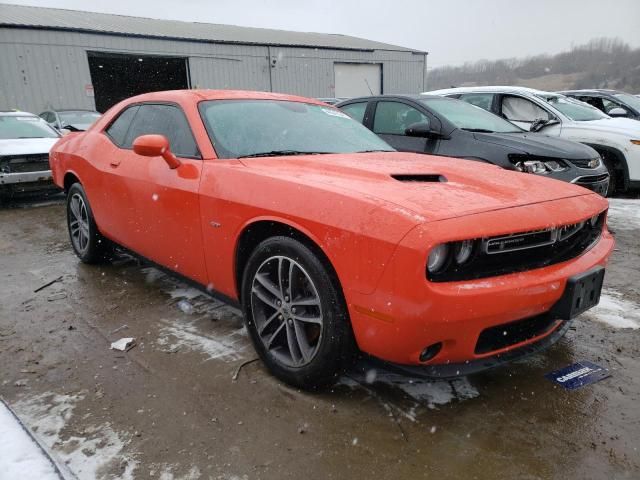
pixel 617 140
pixel 328 238
pixel 453 128
pixel 611 102
pixel 70 120
pixel 25 140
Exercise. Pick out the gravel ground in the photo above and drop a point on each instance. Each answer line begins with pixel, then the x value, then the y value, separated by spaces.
pixel 171 409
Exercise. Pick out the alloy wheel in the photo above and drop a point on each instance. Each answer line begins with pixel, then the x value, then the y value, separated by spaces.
pixel 79 223
pixel 287 311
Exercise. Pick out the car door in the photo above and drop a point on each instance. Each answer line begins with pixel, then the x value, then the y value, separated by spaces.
pixel 158 209
pixel 522 111
pixel 390 120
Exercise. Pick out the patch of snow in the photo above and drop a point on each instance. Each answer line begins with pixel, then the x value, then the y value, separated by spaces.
pixel 89 456
pixel 616 311
pixel 214 343
pixel 21 456
pixel 624 214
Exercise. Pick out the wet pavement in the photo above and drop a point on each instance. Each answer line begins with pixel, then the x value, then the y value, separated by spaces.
pixel 184 404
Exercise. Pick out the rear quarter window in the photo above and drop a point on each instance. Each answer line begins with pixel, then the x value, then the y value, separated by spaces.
pixel 118 129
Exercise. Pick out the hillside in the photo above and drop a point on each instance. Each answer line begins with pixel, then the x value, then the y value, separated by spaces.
pixel 601 63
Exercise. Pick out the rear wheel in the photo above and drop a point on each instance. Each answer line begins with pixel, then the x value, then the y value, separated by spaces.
pixel 87 242
pixel 295 314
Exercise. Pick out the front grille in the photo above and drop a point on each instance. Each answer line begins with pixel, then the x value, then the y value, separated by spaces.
pixel 589 179
pixel 586 162
pixel 24 163
pixel 523 251
pixel 505 335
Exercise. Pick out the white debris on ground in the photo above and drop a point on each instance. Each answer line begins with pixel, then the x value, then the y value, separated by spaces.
pixel 91 455
pixel 21 457
pixel 624 214
pixel 616 311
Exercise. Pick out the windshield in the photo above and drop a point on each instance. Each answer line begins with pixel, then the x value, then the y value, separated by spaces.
pixel 240 128
pixel 573 109
pixel 24 126
pixel 469 117
pixel 78 118
pixel 631 100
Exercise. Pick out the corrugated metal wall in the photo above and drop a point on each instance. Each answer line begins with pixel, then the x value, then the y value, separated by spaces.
pixel 43 69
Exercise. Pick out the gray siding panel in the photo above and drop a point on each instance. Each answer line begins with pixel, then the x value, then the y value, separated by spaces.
pixel 43 68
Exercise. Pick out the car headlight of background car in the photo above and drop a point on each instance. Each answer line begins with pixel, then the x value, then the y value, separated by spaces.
pixel 538 165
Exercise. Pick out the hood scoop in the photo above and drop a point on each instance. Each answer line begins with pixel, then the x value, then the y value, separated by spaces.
pixel 419 177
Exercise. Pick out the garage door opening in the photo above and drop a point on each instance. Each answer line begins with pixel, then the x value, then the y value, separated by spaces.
pixel 357 79
pixel 119 76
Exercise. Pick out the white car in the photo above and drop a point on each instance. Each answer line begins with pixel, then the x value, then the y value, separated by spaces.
pixel 25 141
pixel 617 140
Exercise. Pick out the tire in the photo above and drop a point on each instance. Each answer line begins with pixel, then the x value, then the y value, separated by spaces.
pixel 614 174
pixel 87 242
pixel 306 340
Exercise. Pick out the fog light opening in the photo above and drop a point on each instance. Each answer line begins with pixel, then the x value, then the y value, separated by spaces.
pixel 430 352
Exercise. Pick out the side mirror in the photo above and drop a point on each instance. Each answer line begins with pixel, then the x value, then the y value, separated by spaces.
pixel 617 112
pixel 155 146
pixel 421 129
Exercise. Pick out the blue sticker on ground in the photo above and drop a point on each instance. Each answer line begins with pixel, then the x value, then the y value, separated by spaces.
pixel 579 374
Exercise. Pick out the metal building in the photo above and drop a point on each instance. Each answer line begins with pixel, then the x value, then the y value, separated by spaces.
pixel 52 58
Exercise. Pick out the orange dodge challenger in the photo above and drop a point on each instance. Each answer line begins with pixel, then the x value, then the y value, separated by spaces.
pixel 328 239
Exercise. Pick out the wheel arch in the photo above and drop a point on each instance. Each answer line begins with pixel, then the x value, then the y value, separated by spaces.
pixel 621 161
pixel 261 229
pixel 69 179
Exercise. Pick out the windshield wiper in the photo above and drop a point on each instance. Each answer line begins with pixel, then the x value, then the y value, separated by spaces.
pixel 281 153
pixel 477 130
pixel 373 151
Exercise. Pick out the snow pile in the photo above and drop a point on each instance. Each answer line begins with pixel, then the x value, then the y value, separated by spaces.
pixel 21 457
pixel 616 311
pixel 92 455
pixel 624 214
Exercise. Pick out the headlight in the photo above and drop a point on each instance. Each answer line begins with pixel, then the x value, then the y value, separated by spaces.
pixel 463 251
pixel 438 257
pixel 541 166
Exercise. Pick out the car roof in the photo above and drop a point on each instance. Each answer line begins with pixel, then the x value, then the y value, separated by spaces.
pixel 592 90
pixel 14 113
pixel 409 96
pixel 200 95
pixel 62 110
pixel 487 89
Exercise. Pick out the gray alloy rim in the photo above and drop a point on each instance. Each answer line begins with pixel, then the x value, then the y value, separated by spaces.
pixel 79 223
pixel 286 311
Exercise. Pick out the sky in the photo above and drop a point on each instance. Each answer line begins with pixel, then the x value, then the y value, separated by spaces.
pixel 452 31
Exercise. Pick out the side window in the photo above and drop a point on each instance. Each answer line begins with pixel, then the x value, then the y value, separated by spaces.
pixel 393 118
pixel 355 110
pixel 519 109
pixel 482 100
pixel 593 101
pixel 609 105
pixel 117 131
pixel 167 120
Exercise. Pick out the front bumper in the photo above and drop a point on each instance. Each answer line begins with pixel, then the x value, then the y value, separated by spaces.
pixel 407 313
pixel 43 176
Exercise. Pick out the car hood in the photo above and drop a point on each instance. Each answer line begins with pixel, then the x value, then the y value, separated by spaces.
pixel 621 126
pixel 26 146
pixel 537 144
pixel 468 187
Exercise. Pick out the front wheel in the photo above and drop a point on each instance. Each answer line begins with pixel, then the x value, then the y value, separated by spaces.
pixel 87 242
pixel 295 314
